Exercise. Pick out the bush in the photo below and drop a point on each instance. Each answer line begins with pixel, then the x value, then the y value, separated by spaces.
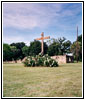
pixel 40 60
pixel 26 63
pixel 46 63
pixel 32 62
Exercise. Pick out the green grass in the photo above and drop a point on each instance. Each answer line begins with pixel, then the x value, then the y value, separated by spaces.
pixel 62 81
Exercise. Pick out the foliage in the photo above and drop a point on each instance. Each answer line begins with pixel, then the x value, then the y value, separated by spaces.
pixel 53 49
pixel 14 53
pixel 25 50
pixel 19 50
pixel 58 46
pixel 19 47
pixel 40 60
pixel 35 48
pixel 6 52
pixel 78 54
pixel 80 38
pixel 45 48
pixel 76 49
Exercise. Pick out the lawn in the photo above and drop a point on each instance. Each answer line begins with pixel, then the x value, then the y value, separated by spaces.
pixel 62 81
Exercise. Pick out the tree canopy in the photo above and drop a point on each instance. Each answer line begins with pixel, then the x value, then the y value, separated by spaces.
pixel 58 46
pixel 76 49
pixel 19 47
pixel 6 52
pixel 35 48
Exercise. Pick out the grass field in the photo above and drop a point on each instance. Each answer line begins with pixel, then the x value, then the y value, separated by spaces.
pixel 62 81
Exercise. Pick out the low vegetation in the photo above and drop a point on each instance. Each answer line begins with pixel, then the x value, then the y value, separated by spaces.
pixel 40 60
pixel 62 81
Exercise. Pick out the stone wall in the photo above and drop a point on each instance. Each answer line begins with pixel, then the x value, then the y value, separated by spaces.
pixel 18 61
pixel 9 62
pixel 61 59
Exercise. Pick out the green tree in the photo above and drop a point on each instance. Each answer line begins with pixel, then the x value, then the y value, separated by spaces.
pixel 45 48
pixel 58 46
pixel 67 46
pixel 6 52
pixel 25 50
pixel 76 49
pixel 35 48
pixel 53 49
pixel 80 44
pixel 19 47
pixel 80 38
pixel 14 53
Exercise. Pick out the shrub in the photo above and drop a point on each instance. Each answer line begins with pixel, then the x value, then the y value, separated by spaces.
pixel 46 63
pixel 26 63
pixel 40 60
pixel 32 62
pixel 54 64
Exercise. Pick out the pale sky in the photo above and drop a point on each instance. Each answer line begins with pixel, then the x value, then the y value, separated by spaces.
pixel 24 22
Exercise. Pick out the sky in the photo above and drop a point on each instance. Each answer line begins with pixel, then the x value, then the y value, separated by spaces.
pixel 24 22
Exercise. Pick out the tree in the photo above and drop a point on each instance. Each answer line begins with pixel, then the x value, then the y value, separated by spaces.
pixel 80 44
pixel 76 49
pixel 80 38
pixel 58 46
pixel 67 46
pixel 14 53
pixel 25 50
pixel 45 48
pixel 6 52
pixel 19 47
pixel 35 48
pixel 53 49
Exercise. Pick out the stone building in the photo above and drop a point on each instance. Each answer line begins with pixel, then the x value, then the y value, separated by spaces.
pixel 62 59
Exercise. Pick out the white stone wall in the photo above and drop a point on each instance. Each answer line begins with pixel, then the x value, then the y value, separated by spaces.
pixel 61 59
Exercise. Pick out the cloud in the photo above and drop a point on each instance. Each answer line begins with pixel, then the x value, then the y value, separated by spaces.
pixel 20 21
pixel 14 39
pixel 26 20
pixel 29 15
pixel 32 15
